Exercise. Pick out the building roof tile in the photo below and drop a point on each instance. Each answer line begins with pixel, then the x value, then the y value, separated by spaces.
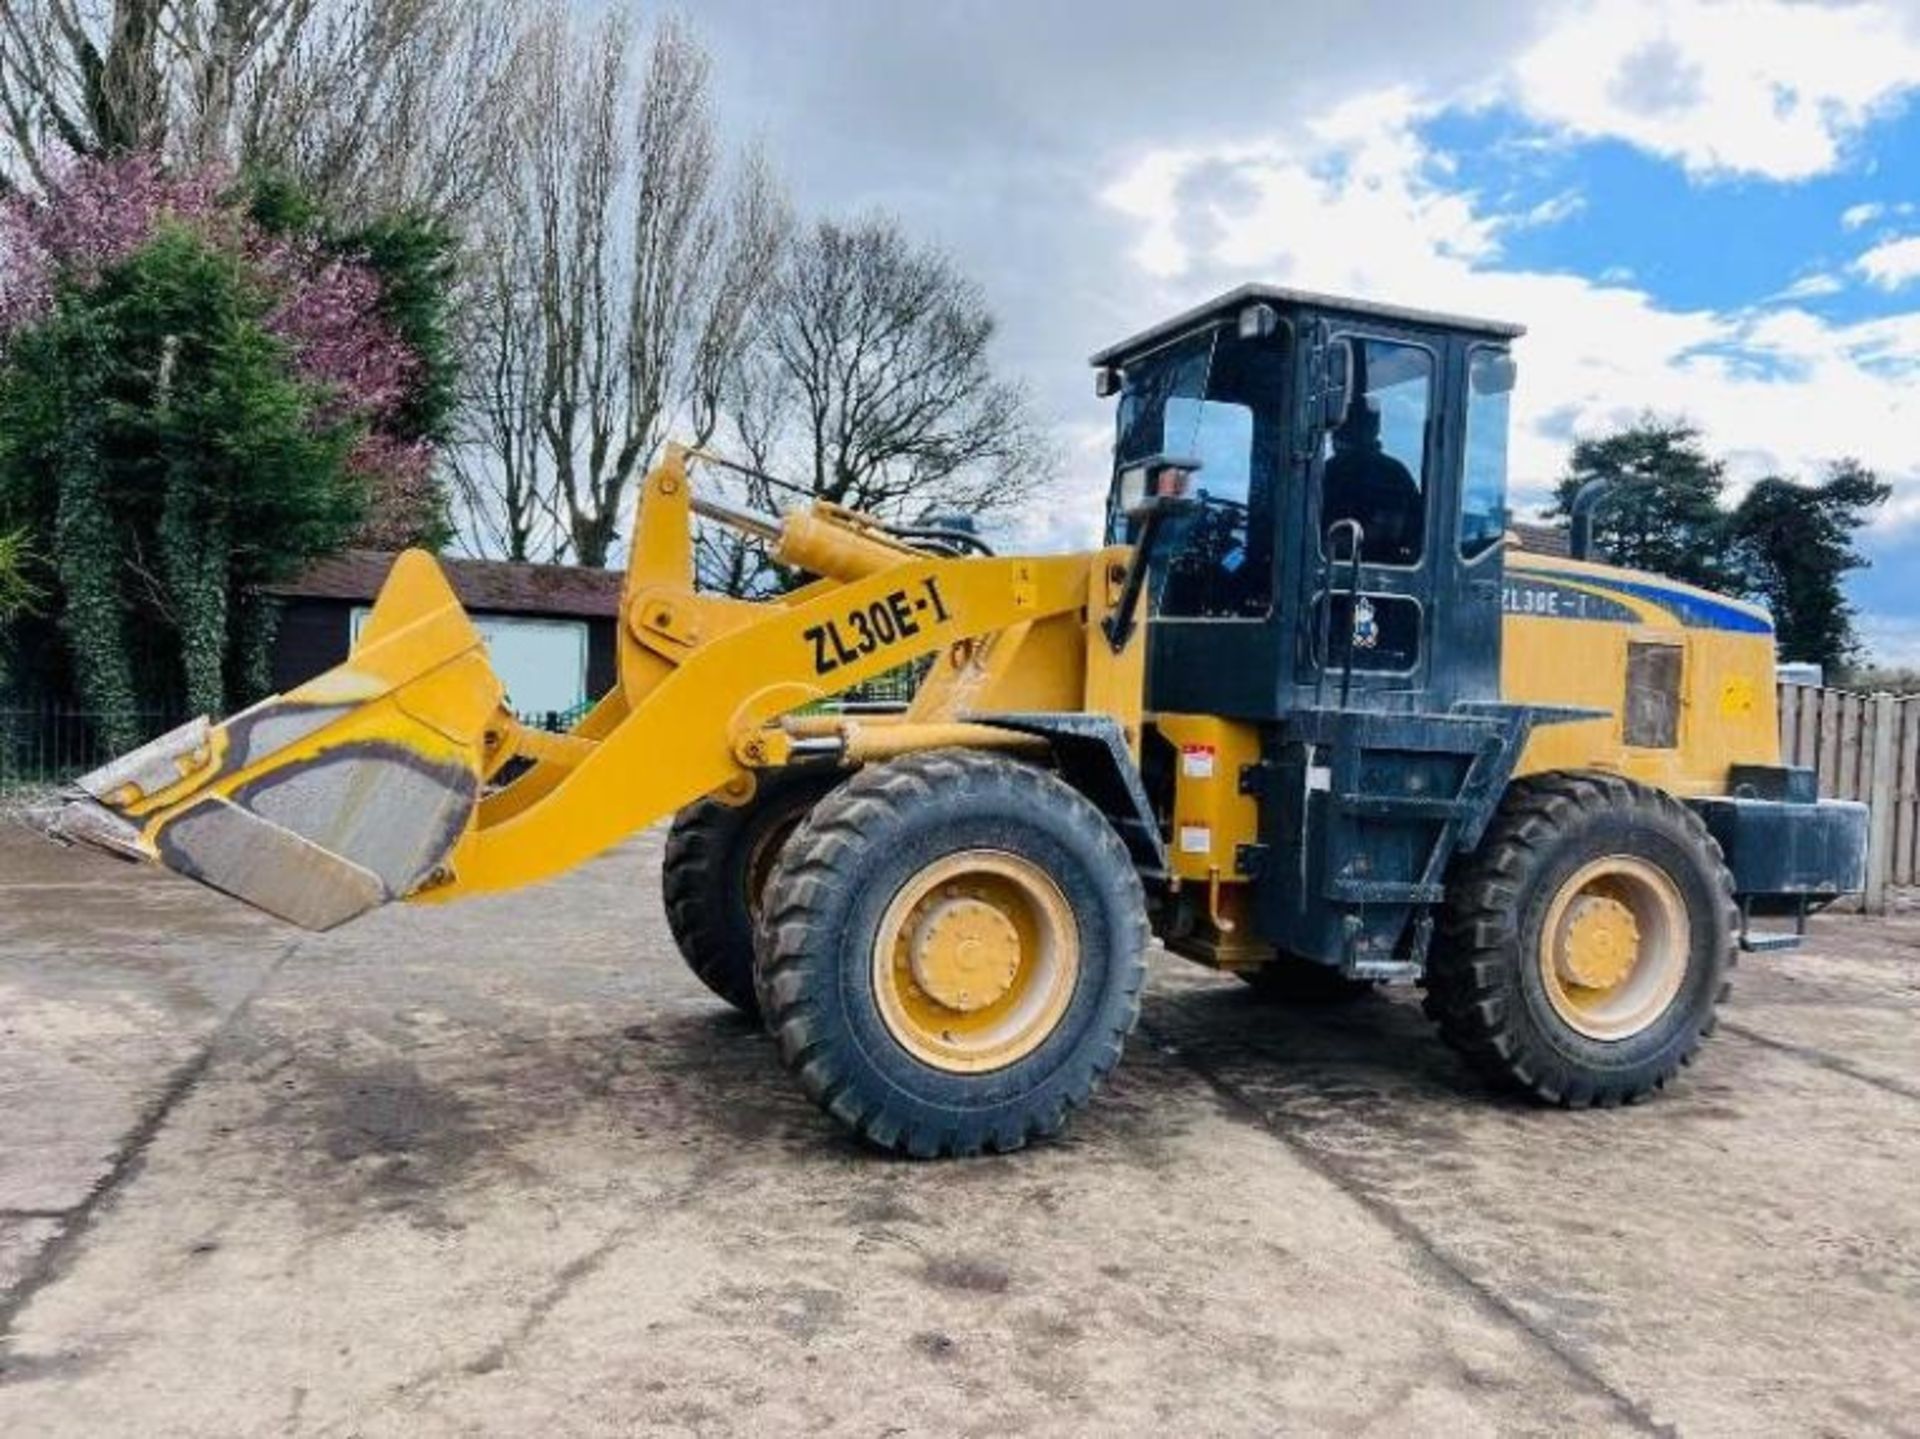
pixel 488 586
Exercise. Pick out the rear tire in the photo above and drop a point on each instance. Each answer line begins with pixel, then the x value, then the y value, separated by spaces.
pixel 951 953
pixel 1584 946
pixel 717 862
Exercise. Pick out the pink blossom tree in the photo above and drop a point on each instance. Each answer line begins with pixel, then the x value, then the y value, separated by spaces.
pixel 326 307
pixel 192 371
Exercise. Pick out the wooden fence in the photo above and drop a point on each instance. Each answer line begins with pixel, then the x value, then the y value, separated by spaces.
pixel 1864 747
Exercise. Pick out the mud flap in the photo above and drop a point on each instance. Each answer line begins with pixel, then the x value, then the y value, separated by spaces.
pixel 328 801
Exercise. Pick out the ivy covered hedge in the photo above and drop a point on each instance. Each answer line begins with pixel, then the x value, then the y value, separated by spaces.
pixel 203 387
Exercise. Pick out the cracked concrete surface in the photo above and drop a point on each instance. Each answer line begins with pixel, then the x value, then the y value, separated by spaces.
pixel 506 1168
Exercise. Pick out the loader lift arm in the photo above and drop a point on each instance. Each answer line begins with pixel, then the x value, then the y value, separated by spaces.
pixel 369 783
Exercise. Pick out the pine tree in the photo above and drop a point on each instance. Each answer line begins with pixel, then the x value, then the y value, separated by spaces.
pixel 1662 513
pixel 1793 544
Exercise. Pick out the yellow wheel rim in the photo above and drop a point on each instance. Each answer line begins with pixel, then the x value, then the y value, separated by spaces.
pixel 1613 951
pixel 975 961
pixel 761 859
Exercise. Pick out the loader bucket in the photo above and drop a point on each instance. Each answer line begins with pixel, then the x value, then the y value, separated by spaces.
pixel 325 802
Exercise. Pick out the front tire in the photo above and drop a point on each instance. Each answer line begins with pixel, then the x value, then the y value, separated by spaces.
pixel 1584 947
pixel 951 953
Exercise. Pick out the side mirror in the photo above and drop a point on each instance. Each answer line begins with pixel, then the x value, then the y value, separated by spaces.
pixel 1336 383
pixel 1157 484
pixel 1106 382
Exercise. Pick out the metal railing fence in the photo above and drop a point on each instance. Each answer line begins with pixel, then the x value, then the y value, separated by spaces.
pixel 47 744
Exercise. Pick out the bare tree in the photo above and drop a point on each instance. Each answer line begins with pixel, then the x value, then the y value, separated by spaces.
pixel 376 104
pixel 75 78
pixel 505 499
pixel 368 103
pixel 871 384
pixel 626 268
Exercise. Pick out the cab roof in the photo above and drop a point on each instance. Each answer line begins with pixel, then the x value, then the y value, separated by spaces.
pixel 1223 306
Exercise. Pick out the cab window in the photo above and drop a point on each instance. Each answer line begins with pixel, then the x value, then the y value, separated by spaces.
pixel 1211 402
pixel 1483 485
pixel 1374 462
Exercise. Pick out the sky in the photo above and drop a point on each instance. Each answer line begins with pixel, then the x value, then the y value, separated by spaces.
pixel 1705 208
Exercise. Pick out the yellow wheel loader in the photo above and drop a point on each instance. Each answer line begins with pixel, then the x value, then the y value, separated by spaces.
pixel 1312 716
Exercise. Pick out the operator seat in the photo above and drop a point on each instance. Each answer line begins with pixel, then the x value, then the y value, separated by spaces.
pixel 1363 482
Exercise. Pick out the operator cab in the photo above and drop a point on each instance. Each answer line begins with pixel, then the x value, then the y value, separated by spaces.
pixel 1318 489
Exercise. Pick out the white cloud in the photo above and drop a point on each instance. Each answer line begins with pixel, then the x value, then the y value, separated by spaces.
pixel 980 138
pixel 1893 264
pixel 1355 202
pixel 1364 208
pixel 1554 209
pixel 1811 287
pixel 1858 217
pixel 1752 87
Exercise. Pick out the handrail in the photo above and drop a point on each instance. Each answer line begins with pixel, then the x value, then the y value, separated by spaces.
pixel 1359 534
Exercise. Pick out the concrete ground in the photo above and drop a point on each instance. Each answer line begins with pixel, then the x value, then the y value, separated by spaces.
pixel 505 1168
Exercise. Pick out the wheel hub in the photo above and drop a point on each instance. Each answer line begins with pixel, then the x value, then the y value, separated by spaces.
pixel 1614 948
pixel 975 961
pixel 964 952
pixel 1602 943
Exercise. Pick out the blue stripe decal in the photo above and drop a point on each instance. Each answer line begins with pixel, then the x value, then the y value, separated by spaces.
pixel 1696 612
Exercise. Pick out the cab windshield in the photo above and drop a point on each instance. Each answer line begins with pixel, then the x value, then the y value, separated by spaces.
pixel 1212 402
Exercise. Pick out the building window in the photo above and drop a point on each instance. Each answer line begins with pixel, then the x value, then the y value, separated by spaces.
pixel 541 662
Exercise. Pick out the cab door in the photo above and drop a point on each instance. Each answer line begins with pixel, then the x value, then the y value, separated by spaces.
pixel 1216 608
pixel 1373 539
